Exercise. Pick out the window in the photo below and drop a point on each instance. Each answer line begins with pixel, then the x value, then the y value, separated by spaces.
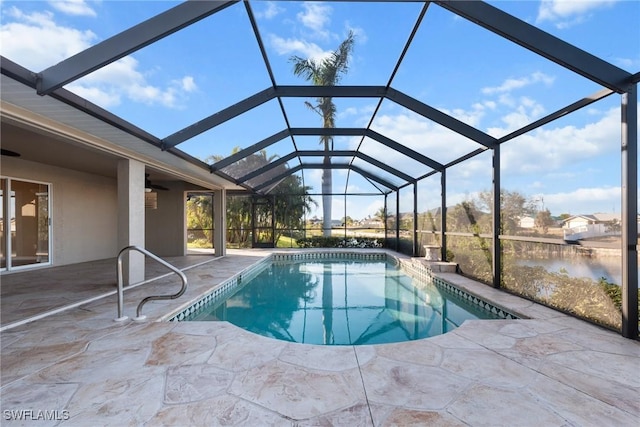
pixel 24 224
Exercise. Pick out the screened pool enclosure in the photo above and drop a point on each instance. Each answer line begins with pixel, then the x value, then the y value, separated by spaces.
pixel 413 154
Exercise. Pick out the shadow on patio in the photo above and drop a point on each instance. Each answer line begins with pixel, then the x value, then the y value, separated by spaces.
pixel 35 292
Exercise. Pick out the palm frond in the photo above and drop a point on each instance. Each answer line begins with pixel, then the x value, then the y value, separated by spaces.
pixel 325 73
pixel 313 107
pixel 305 68
pixel 337 64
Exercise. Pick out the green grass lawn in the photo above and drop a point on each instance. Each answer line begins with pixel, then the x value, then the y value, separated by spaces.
pixel 286 242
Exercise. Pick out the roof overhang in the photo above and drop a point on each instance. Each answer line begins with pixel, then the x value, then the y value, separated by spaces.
pixel 65 118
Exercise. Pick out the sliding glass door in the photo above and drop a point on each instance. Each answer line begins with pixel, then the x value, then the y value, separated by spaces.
pixel 4 225
pixel 25 224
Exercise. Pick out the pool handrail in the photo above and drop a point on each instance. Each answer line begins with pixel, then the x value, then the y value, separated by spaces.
pixel 145 252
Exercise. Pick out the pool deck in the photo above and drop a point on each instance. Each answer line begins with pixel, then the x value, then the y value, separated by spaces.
pixel 88 370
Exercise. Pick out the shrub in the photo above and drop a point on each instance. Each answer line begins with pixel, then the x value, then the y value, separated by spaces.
pixel 339 242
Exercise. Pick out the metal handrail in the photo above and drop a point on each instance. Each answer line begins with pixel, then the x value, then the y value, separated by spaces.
pixel 149 298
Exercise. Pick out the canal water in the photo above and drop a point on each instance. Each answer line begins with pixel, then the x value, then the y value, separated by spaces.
pixel 590 267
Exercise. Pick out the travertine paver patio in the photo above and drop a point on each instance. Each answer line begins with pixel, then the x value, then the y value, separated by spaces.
pixel 552 370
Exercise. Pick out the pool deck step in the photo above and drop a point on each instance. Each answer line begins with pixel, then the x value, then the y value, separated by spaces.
pixel 438 266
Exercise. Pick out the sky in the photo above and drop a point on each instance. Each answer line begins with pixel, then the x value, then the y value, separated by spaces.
pixel 570 166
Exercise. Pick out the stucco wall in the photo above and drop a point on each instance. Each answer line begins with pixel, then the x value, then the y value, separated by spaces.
pixel 84 210
pixel 576 222
pixel 165 226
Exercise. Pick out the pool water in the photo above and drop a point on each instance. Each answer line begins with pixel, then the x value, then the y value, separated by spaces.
pixel 340 302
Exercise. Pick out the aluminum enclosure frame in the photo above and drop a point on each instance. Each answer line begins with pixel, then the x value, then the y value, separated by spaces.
pixel 51 82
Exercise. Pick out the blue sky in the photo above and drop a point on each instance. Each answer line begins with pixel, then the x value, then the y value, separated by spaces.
pixel 571 166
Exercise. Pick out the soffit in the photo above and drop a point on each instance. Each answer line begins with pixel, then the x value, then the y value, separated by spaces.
pixel 94 145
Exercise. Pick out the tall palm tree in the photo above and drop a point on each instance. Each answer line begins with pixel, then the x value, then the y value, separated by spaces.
pixel 326 72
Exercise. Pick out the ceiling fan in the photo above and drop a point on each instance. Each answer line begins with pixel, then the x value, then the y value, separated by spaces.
pixel 148 186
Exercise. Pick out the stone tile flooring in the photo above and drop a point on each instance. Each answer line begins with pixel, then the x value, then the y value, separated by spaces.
pixel 32 292
pixel 87 370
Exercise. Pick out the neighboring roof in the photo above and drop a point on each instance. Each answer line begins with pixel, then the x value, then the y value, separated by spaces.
pixel 384 178
pixel 596 217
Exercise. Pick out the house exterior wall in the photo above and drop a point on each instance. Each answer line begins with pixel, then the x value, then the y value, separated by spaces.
pixel 527 222
pixel 585 232
pixel 84 210
pixel 577 222
pixel 166 225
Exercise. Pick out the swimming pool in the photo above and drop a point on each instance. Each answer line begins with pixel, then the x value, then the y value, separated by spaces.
pixel 338 300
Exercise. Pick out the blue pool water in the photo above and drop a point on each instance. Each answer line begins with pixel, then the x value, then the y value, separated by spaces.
pixel 340 302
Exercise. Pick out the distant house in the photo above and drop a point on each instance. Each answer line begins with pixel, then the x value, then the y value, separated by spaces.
pixel 318 221
pixel 584 220
pixel 527 222
pixel 594 225
pixel 315 221
pixel 371 223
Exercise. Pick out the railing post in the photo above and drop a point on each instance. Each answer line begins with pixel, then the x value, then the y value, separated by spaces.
pixel 139 316
pixel 120 317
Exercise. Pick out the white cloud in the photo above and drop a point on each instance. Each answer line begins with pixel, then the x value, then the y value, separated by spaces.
pixel 350 111
pixel 455 198
pixel 315 18
pixel 524 111
pixel 362 114
pixel 429 194
pixel 299 47
pixel 551 149
pixel 544 153
pixel 122 79
pixel 472 170
pixel 421 135
pixel 358 32
pixel 315 15
pixel 37 42
pixel 313 177
pixel 518 83
pixel 73 7
pixel 471 117
pixel 566 13
pixel 188 84
pixel 98 96
pixel 125 71
pixel 507 99
pixel 484 105
pixel 271 10
pixel 152 95
pixel 356 207
pixel 107 95
pixel 372 208
pixel 584 200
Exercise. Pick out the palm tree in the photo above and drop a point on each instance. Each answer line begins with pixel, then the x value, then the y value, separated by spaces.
pixel 326 72
pixel 291 199
pixel 381 214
